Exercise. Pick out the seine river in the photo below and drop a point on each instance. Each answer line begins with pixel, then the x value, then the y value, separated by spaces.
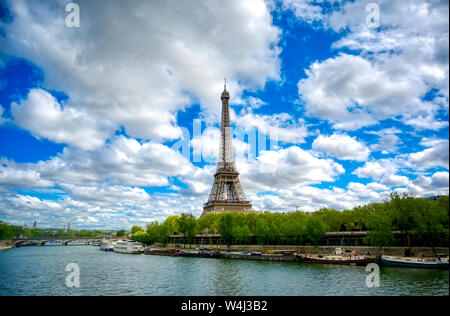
pixel 42 271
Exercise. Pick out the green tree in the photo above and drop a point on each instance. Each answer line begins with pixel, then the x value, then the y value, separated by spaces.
pixel 153 232
pixel 172 224
pixel 226 227
pixel 332 219
pixel 136 229
pixel 208 224
pixel 187 225
pixel 315 230
pixel 436 217
pixel 262 231
pixel 121 233
pixel 140 236
pixel 380 228
pixel 406 214
pixel 241 234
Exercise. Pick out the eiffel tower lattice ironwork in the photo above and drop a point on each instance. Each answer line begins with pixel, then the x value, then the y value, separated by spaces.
pixel 226 194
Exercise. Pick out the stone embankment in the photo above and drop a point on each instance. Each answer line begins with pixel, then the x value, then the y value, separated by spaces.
pixel 362 250
pixel 6 244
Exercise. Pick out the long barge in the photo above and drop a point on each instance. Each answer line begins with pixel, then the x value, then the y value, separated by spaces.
pixel 201 254
pixel 162 251
pixel 337 259
pixel 412 262
pixel 261 256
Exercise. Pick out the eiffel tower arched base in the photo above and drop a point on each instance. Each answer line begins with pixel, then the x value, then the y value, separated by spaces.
pixel 224 207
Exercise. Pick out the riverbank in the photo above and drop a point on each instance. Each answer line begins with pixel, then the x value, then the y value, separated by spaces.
pixel 362 250
pixel 6 244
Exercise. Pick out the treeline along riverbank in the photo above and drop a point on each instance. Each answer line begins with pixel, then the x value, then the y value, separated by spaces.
pixel 401 220
pixel 10 232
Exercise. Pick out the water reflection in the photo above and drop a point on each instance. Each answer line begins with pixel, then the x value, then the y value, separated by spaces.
pixel 41 271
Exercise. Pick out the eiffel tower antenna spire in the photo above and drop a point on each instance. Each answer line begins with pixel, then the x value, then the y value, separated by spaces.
pixel 226 194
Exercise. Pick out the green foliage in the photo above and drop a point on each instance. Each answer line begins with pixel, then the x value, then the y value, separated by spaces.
pixel 187 225
pixel 415 217
pixel 140 236
pixel 136 229
pixel 226 223
pixel 121 233
pixel 292 232
pixel 379 224
pixel 9 232
pixel 261 231
pixel 315 230
pixel 241 234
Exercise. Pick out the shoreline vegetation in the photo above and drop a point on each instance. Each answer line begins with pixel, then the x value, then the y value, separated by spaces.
pixel 10 232
pixel 417 219
pixel 421 222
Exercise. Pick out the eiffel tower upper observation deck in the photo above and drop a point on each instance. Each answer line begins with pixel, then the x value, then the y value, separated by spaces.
pixel 226 194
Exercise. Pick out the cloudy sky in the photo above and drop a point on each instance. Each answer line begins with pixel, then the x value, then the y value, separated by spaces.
pixel 103 124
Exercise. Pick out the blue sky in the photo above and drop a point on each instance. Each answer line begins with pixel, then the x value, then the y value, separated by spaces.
pixel 99 124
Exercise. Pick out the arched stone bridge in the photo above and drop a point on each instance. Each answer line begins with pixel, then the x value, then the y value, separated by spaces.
pixel 42 240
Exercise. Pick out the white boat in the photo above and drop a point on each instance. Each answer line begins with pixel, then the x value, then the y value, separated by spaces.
pixel 128 246
pixel 415 262
pixel 53 243
pixel 76 243
pixel 107 245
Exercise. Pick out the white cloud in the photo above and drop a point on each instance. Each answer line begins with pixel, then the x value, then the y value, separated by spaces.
pixel 138 65
pixel 437 184
pixel 42 115
pixel 395 180
pixel 123 161
pixel 305 10
pixel 341 146
pixel 371 169
pixel 208 145
pixel 398 64
pixel 352 92
pixel 282 126
pixel 310 199
pixel 255 103
pixel 436 156
pixel 387 144
pixel 11 177
pixel 107 193
pixel 286 168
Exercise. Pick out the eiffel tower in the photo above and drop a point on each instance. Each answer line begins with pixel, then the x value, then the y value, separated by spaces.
pixel 226 194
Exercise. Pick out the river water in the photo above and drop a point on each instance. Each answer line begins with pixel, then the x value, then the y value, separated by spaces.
pixel 42 271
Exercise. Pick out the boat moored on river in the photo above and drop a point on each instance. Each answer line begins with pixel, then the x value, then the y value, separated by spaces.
pixel 276 256
pixel 53 243
pixel 161 251
pixel 76 243
pixel 128 246
pixel 201 254
pixel 415 262
pixel 353 259
pixel 107 245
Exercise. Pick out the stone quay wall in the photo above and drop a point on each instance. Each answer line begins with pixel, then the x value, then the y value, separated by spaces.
pixel 6 244
pixel 362 250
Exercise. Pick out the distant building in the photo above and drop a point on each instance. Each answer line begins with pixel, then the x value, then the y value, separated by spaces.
pixel 433 197
pixel 34 224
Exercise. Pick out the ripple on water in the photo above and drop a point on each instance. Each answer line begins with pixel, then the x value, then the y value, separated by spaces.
pixel 41 271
